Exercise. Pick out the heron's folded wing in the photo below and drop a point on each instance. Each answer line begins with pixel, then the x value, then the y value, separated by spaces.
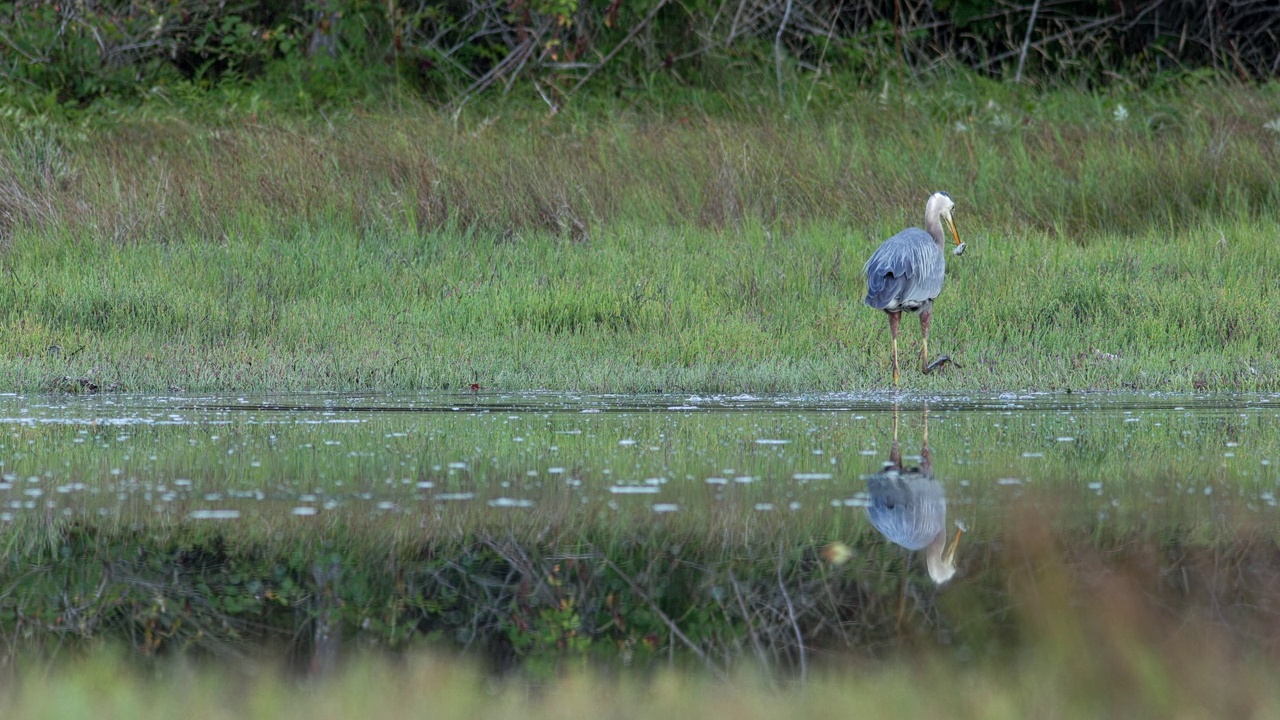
pixel 906 267
pixel 909 511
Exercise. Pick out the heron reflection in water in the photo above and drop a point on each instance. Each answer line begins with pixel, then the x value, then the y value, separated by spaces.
pixel 909 507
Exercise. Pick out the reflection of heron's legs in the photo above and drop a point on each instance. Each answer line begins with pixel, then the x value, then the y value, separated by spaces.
pixel 926 459
pixel 926 314
pixel 895 455
pixel 892 331
pixel 902 593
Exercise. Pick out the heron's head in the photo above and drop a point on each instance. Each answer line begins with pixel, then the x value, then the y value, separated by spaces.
pixel 942 563
pixel 938 210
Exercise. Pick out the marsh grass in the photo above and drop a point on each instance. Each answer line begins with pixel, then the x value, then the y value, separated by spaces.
pixel 633 249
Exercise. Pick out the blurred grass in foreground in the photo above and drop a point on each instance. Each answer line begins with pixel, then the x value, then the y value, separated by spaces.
pixel 1117 680
pixel 1114 241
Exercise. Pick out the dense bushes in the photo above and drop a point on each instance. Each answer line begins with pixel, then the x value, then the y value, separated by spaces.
pixel 77 51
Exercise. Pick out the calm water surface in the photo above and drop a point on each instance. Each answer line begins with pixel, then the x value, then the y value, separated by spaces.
pixel 524 524
pixel 206 459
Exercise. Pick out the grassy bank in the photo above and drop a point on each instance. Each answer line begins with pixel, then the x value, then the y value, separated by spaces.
pixel 642 245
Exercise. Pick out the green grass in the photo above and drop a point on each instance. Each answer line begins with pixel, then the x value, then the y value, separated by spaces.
pixel 662 244
pixel 643 247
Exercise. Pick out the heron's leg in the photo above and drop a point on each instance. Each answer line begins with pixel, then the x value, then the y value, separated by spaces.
pixel 926 315
pixel 893 331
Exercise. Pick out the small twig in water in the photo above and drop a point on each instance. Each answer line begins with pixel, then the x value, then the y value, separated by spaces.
pixel 791 612
pixel 749 618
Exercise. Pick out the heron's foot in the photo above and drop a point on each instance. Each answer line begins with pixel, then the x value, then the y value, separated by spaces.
pixel 939 363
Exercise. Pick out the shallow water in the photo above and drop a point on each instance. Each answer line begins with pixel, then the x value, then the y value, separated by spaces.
pixel 205 521
pixel 226 459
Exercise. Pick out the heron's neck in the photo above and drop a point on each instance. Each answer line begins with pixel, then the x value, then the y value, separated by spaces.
pixel 933 557
pixel 933 224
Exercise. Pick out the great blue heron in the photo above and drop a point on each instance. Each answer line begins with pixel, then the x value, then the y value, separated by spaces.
pixel 905 272
pixel 909 507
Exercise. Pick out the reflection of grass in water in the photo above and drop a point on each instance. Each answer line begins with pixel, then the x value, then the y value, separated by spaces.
pixel 625 251
pixel 1151 474
pixel 566 579
pixel 563 596
pixel 287 445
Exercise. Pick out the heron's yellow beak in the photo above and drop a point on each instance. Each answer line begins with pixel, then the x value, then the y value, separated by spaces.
pixel 949 557
pixel 951 225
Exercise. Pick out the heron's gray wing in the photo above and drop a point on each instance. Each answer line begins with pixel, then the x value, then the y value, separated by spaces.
pixel 906 268
pixel 909 509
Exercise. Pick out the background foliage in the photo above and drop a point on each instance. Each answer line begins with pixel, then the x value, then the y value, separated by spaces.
pixel 78 51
